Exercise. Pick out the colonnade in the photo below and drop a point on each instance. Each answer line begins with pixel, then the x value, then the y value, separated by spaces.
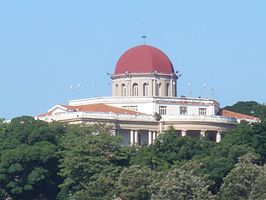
pixel 135 137
pixel 218 136
pixel 142 137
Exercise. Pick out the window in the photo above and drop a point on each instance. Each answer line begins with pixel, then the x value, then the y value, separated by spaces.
pixel 202 111
pixel 183 110
pixel 162 110
pixel 116 89
pixel 157 91
pixel 145 89
pixel 167 89
pixel 135 89
pixel 134 108
pixel 123 90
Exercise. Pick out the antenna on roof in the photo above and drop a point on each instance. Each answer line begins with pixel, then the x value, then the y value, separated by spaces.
pixel 190 91
pixel 203 90
pixel 93 88
pixel 74 89
pixel 109 83
pixel 213 90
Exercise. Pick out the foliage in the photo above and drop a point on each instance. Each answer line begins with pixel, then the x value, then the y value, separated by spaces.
pixel 179 184
pixel 170 149
pixel 133 183
pixel 63 161
pixel 238 183
pixel 249 108
pixel 28 162
pixel 157 116
pixel 258 190
pixel 88 159
pixel 249 137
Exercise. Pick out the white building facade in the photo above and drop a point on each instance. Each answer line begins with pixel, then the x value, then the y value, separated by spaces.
pixel 144 103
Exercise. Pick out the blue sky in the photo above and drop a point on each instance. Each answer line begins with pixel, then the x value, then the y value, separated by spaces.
pixel 47 46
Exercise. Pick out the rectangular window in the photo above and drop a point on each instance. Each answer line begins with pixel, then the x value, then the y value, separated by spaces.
pixel 202 111
pixel 134 108
pixel 162 110
pixel 183 110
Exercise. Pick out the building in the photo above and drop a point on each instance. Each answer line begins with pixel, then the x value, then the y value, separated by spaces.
pixel 144 103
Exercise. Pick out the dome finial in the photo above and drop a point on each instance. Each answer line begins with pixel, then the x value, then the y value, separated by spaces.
pixel 144 36
pixel 144 39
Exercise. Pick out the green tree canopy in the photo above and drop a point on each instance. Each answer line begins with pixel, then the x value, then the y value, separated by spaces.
pixel 238 183
pixel 133 183
pixel 28 162
pixel 249 108
pixel 90 157
pixel 180 184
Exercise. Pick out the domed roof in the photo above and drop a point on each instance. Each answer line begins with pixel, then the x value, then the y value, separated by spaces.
pixel 144 59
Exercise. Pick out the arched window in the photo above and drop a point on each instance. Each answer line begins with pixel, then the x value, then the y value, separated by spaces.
pixel 135 89
pixel 123 90
pixel 157 91
pixel 116 89
pixel 167 89
pixel 145 89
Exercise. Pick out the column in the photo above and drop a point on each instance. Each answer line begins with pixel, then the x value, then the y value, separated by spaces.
pixel 154 134
pixel 152 87
pixel 149 138
pixel 183 133
pixel 131 138
pixel 202 133
pixel 218 137
pixel 113 132
pixel 136 142
pixel 171 88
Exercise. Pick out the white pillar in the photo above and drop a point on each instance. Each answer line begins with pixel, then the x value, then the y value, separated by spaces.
pixel 150 138
pixel 131 138
pixel 183 133
pixel 113 132
pixel 136 142
pixel 203 133
pixel 171 88
pixel 154 134
pixel 218 137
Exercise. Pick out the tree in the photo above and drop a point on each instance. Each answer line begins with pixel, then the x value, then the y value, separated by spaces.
pixel 133 183
pixel 249 108
pixel 90 156
pixel 180 184
pixel 258 190
pixel 238 183
pixel 170 149
pixel 28 163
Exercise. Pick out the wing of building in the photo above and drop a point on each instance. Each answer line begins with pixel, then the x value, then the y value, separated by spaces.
pixel 144 103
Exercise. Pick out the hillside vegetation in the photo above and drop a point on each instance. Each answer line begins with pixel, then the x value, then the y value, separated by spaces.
pixel 59 161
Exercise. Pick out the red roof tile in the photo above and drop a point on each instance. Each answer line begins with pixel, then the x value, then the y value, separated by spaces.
pixel 100 107
pixel 227 113
pixel 144 59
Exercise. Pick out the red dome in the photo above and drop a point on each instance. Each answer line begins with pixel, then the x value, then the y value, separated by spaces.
pixel 144 59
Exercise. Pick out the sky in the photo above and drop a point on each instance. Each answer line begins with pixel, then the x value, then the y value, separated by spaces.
pixel 55 51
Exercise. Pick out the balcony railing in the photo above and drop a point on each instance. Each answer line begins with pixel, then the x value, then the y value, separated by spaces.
pixel 98 115
pixel 137 117
pixel 193 118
